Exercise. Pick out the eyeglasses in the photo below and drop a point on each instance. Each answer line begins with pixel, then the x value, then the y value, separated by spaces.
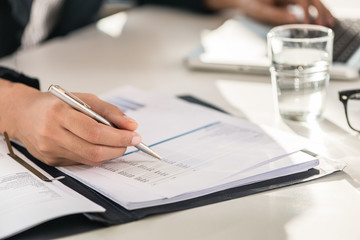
pixel 351 101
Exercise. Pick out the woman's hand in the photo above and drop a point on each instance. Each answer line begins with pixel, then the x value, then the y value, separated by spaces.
pixel 57 134
pixel 276 12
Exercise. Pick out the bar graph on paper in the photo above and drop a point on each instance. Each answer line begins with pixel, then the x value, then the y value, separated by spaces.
pixel 126 104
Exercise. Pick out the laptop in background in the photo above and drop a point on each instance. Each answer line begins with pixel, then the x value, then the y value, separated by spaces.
pixel 239 45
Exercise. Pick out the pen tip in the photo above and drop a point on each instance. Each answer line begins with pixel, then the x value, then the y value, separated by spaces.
pixel 157 156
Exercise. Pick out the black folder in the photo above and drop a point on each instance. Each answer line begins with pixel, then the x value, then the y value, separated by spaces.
pixel 116 214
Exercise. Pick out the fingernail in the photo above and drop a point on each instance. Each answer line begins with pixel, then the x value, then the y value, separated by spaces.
pixel 135 140
pixel 129 118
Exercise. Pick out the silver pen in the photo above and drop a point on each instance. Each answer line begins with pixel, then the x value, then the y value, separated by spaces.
pixel 81 106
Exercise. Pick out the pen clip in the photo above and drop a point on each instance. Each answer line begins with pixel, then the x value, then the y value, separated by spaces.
pixel 25 164
pixel 75 98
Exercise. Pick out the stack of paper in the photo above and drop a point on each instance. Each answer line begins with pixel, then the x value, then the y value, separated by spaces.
pixel 27 201
pixel 203 151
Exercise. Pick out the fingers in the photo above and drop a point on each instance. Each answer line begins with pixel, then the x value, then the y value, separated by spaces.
pixel 62 147
pixel 94 132
pixel 324 15
pixel 60 135
pixel 276 12
pixel 80 151
pixel 86 141
pixel 109 112
pixel 267 13
pixel 305 4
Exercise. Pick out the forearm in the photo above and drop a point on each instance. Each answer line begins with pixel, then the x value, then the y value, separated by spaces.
pixel 217 5
pixel 6 104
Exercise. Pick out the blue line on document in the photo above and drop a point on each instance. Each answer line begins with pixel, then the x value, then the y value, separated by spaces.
pixel 123 106
pixel 126 103
pixel 180 135
pixel 130 101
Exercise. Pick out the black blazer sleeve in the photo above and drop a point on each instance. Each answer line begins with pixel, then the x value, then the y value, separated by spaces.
pixel 195 5
pixel 14 76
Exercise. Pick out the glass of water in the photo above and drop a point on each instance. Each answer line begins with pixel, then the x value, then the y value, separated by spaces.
pixel 301 56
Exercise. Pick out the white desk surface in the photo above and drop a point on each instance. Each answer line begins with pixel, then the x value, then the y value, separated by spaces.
pixel 149 54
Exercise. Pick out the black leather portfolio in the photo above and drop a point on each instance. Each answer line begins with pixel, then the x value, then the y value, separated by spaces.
pixel 116 214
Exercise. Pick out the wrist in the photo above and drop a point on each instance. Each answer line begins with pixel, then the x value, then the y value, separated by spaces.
pixel 225 4
pixel 13 98
pixel 15 76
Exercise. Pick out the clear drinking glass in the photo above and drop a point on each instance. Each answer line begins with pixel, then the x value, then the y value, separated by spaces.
pixel 301 56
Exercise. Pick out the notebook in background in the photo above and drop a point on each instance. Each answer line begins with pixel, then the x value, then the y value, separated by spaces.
pixel 239 45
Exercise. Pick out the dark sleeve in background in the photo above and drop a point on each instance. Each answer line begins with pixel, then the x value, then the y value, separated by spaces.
pixel 13 17
pixel 194 5
pixel 14 76
pixel 76 14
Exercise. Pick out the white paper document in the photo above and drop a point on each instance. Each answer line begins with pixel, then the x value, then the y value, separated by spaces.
pixel 26 201
pixel 203 151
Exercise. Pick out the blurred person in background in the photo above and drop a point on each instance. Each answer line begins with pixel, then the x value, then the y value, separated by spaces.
pixel 26 23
